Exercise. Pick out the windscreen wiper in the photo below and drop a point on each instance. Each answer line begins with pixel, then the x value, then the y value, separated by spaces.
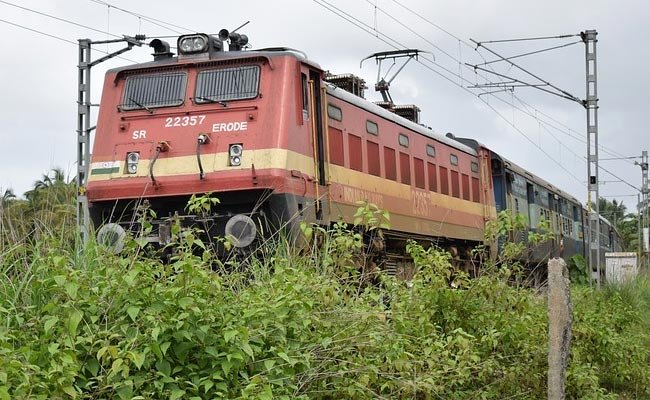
pixel 140 105
pixel 209 100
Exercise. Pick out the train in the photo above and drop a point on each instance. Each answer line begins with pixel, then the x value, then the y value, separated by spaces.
pixel 279 141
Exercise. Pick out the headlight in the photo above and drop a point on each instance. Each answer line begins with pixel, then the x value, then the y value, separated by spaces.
pixel 186 46
pixel 193 44
pixel 198 43
pixel 235 152
pixel 132 160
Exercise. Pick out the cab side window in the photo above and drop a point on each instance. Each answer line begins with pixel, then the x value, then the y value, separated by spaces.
pixel 305 96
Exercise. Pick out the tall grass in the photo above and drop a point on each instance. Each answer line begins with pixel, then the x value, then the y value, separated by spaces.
pixel 293 323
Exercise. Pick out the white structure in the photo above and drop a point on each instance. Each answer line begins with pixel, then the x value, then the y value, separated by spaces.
pixel 620 267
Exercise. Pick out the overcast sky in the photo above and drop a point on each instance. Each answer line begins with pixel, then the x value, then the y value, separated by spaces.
pixel 540 132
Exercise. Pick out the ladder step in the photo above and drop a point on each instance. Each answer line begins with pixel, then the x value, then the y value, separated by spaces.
pixel 390 266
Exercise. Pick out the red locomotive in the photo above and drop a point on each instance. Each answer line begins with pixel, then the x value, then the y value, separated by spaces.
pixel 277 143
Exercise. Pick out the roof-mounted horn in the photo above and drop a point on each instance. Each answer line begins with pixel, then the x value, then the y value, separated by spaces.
pixel 237 40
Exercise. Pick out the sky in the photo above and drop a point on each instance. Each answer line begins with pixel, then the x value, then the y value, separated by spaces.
pixel 542 133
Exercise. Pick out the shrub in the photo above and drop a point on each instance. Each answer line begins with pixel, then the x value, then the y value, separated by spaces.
pixel 90 324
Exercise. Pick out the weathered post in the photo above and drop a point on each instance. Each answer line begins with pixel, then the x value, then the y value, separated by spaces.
pixel 559 326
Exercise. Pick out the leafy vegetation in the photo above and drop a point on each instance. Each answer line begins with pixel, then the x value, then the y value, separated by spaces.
pixel 626 224
pixel 292 325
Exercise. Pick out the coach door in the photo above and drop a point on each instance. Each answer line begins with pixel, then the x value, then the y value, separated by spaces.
pixel 318 137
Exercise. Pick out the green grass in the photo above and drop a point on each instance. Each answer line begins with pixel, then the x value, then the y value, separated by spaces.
pixel 89 324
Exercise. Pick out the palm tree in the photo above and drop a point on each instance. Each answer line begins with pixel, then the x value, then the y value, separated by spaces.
pixel 628 229
pixel 51 202
pixel 7 197
pixel 11 219
pixel 612 210
pixel 53 188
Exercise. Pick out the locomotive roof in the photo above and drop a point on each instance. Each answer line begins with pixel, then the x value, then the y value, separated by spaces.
pixel 341 94
pixel 275 52
pixel 268 53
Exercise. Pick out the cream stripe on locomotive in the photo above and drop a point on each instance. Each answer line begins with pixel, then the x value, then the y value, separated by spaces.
pixel 212 162
pixel 351 185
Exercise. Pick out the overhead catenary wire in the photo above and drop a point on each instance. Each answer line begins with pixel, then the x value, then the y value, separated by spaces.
pixel 619 158
pixel 561 92
pixel 433 24
pixel 570 132
pixel 530 53
pixel 619 178
pixel 387 39
pixel 395 44
pixel 377 8
pixel 531 38
pixel 39 32
pixel 471 46
pixel 68 21
pixel 154 21
pixel 398 45
pixel 462 79
pixel 58 18
pixel 57 37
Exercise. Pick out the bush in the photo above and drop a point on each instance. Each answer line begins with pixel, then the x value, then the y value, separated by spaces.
pixel 91 324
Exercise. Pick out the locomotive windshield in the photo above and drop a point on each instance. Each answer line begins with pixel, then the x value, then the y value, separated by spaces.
pixel 151 91
pixel 227 84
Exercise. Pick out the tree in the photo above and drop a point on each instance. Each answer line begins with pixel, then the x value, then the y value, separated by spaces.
pixel 628 228
pixel 626 224
pixel 7 198
pixel 612 210
pixel 53 187
pixel 50 205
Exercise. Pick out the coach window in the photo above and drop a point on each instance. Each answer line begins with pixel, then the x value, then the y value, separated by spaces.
pixel 372 128
pixel 305 96
pixel 403 140
pixel 431 151
pixel 474 167
pixel 334 112
pixel 453 159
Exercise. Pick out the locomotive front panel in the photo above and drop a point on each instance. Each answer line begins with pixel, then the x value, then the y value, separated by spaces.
pixel 170 130
pixel 181 127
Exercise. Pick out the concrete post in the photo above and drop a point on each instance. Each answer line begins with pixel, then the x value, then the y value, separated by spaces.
pixel 559 327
